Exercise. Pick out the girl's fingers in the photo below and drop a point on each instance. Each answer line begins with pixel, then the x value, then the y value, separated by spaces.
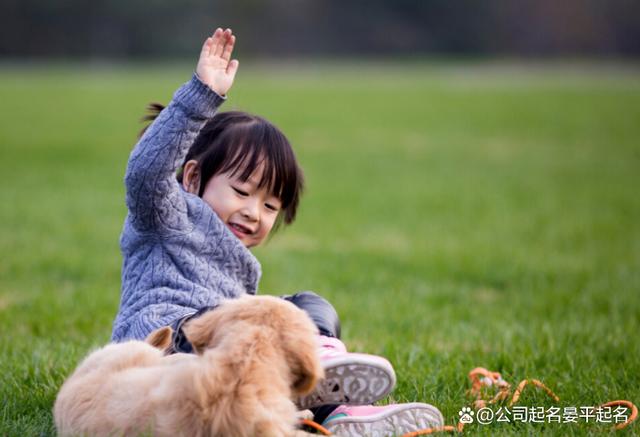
pixel 232 68
pixel 206 47
pixel 228 49
pixel 224 39
pixel 215 41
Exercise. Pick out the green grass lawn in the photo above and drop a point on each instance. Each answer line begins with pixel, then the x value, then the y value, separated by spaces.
pixel 456 215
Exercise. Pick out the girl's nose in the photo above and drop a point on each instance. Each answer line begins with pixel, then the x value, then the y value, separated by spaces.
pixel 251 210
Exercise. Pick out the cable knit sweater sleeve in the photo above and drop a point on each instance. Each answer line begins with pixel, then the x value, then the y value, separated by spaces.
pixel 153 195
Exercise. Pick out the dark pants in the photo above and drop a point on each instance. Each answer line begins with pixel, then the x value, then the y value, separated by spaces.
pixel 319 310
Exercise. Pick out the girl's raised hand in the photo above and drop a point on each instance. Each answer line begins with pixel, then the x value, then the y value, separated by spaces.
pixel 215 67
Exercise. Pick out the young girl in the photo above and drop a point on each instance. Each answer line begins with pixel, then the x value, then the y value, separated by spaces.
pixel 186 237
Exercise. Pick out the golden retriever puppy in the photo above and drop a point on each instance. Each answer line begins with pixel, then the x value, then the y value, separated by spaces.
pixel 254 354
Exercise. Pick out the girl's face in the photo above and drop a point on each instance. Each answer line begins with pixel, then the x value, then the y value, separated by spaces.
pixel 248 211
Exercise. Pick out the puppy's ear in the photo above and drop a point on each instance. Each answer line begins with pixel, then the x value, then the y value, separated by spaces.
pixel 199 331
pixel 160 338
pixel 305 367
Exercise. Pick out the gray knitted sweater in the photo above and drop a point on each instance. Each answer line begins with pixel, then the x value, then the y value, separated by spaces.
pixel 178 255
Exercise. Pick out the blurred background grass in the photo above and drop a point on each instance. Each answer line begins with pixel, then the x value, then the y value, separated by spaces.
pixel 457 214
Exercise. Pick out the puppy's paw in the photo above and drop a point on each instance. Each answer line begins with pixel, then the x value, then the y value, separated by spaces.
pixel 304 414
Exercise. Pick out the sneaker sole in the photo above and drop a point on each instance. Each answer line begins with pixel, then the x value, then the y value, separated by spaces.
pixel 402 419
pixel 356 379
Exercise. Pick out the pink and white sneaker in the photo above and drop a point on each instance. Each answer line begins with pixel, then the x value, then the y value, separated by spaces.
pixel 350 378
pixel 382 421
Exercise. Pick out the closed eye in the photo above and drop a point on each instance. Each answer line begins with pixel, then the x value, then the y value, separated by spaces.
pixel 240 192
pixel 271 207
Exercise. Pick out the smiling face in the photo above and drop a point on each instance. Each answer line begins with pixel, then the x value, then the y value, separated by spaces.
pixel 249 211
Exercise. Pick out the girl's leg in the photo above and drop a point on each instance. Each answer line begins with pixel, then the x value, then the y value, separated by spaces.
pixel 319 309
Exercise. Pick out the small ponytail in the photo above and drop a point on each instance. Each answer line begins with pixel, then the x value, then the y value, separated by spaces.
pixel 154 109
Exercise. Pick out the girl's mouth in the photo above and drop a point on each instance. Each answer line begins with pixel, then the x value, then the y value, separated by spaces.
pixel 239 230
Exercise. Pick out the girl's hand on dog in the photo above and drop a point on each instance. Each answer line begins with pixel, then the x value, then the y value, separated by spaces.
pixel 215 67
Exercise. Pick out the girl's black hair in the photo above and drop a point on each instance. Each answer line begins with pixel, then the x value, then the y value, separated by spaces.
pixel 238 142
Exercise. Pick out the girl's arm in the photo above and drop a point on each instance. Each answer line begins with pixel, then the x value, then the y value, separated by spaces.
pixel 153 194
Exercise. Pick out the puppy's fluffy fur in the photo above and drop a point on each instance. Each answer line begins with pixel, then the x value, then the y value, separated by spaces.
pixel 253 355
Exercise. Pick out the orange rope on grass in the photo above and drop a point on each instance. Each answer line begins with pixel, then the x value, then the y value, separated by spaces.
pixel 481 377
pixel 627 404
pixel 522 385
